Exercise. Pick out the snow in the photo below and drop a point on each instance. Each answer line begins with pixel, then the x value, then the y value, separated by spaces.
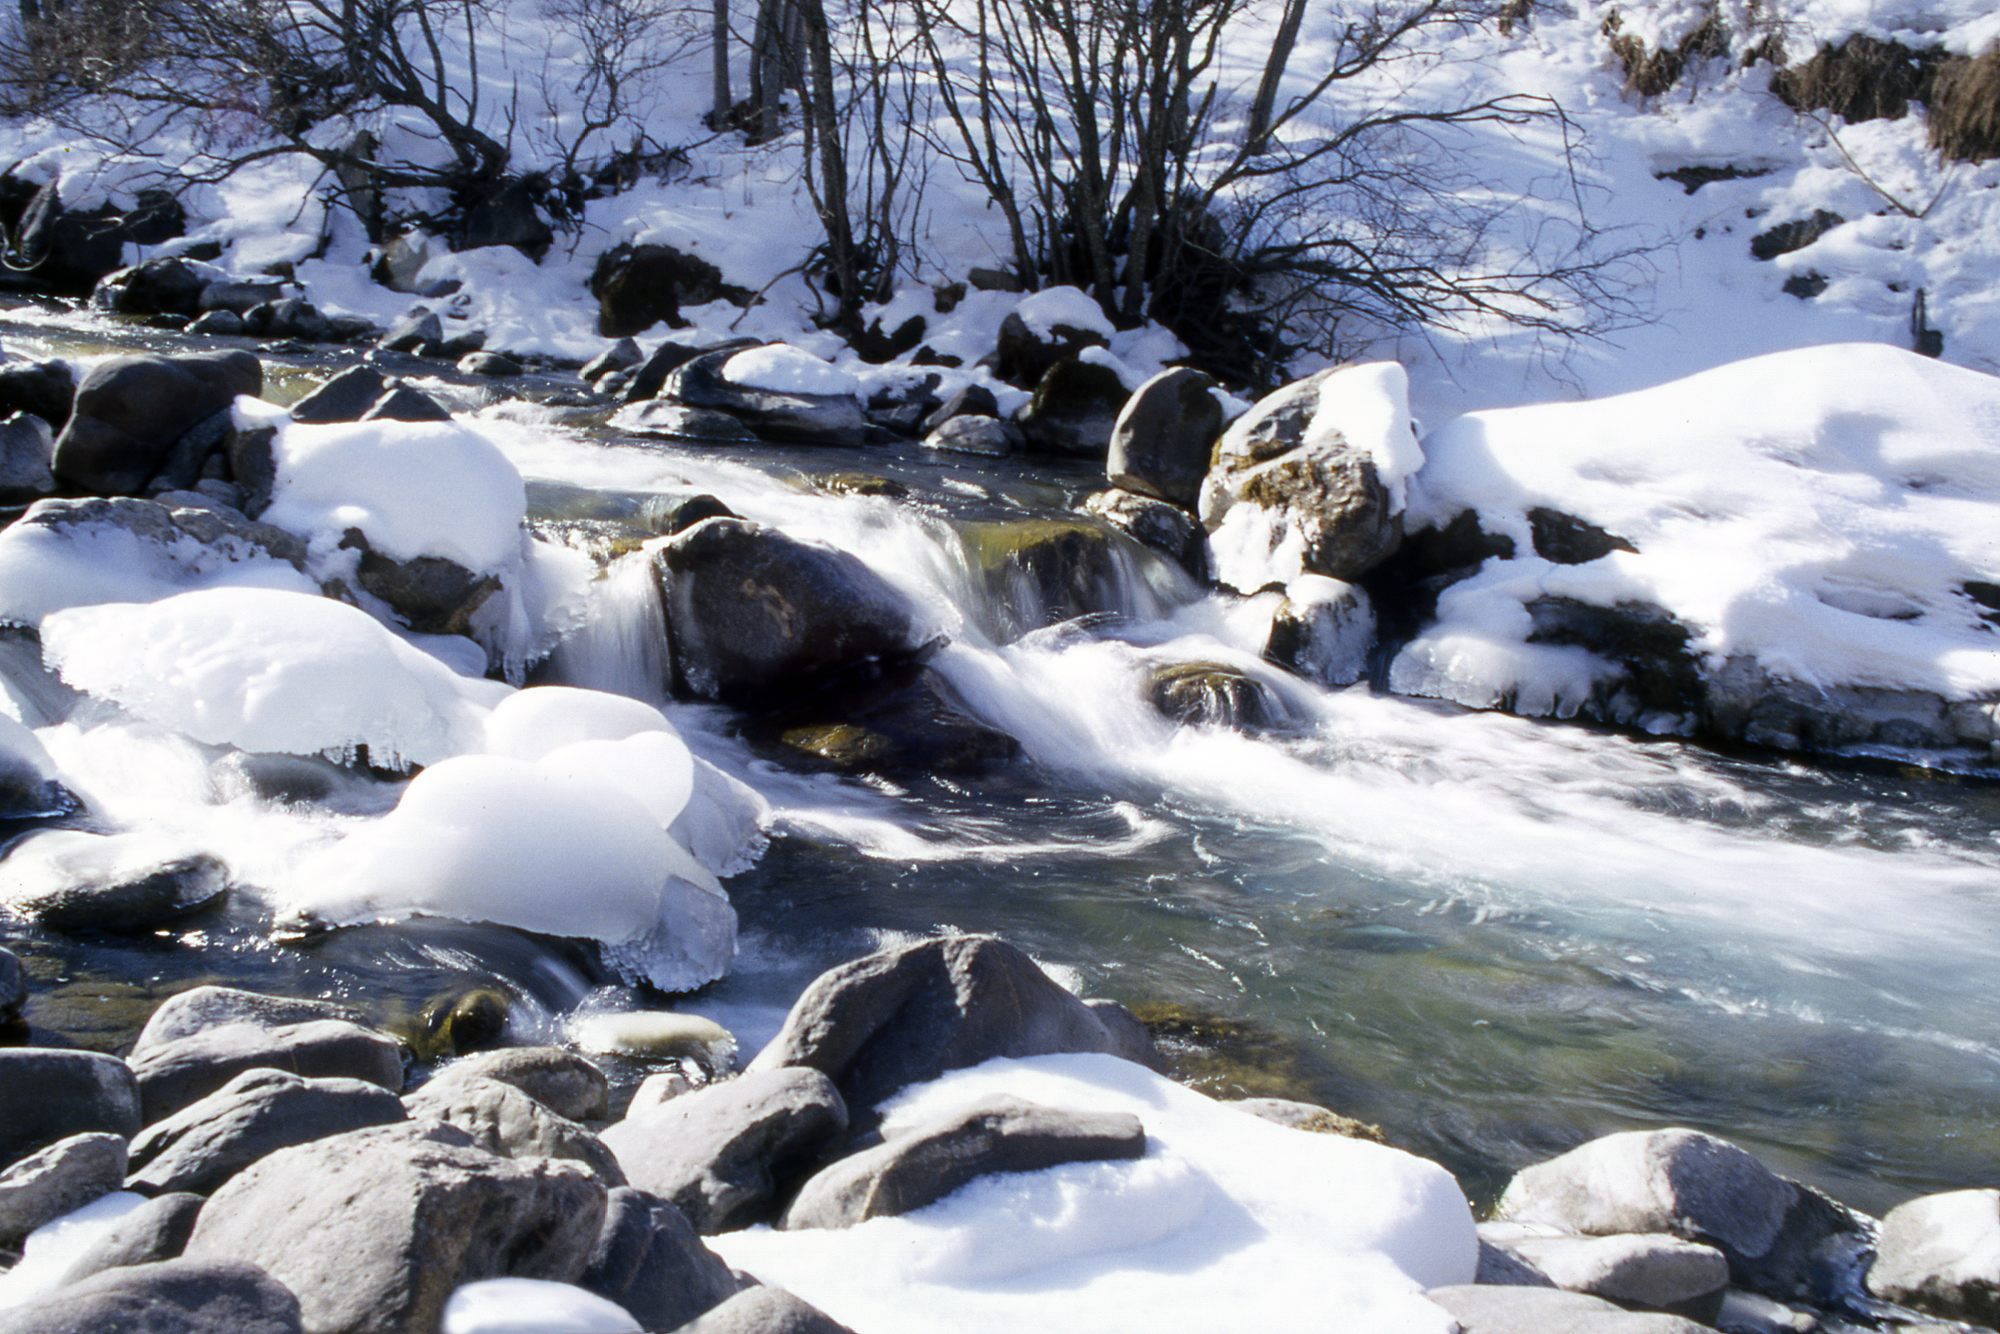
pixel 267 670
pixel 1368 406
pixel 531 1306
pixel 53 1247
pixel 1228 1222
pixel 1819 510
pixel 788 370
pixel 1056 307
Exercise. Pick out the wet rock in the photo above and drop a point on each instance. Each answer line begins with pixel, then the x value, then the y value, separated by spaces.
pixel 1689 1185
pixel 765 1310
pixel 723 1154
pixel 975 400
pixel 924 1164
pixel 1040 572
pixel 1745 700
pixel 279 779
pixel 676 421
pixel 458 1022
pixel 375 1228
pixel 154 1231
pixel 130 410
pixel 169 1297
pixel 47 1096
pixel 1214 694
pixel 650 376
pixel 288 317
pixel 622 355
pixel 987 437
pixel 1310 1116
pixel 909 1013
pixel 430 594
pixel 753 611
pixel 1482 1309
pixel 1940 1254
pixel 1323 630
pixel 503 1120
pixel 419 333
pixel 489 364
pixel 1651 1270
pixel 154 287
pixel 780 415
pixel 650 1260
pixel 239 298
pixel 403 403
pixel 1166 528
pixel 176 1074
pixel 344 398
pixel 899 722
pixel 255 1114
pixel 13 988
pixel 216 324
pixel 45 389
pixel 1656 676
pixel 1075 409
pixel 69 880
pixel 640 286
pixel 57 1180
pixel 1286 494
pixel 26 446
pixel 194 1011
pixel 1161 443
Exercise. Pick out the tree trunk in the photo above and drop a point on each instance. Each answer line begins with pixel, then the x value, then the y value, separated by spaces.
pixel 1265 106
pixel 720 67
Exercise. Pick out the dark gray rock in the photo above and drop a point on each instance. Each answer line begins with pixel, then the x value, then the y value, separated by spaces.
pixel 650 376
pixel 169 1297
pixel 663 420
pixel 1568 540
pixel 923 1165
pixel 154 1231
pixel 47 1096
pixel 1075 409
pixel 764 1310
pixel 1166 528
pixel 73 881
pixel 291 317
pixel 504 213
pixel 1688 1185
pixel 420 333
pixel 375 1228
pixel 217 324
pixel 901 721
pixel 650 1261
pixel 280 779
pixel 13 988
pixel 788 418
pixel 1163 437
pixel 1023 355
pixel 198 1009
pixel 54 1181
pixel 343 398
pixel 1940 1254
pixel 622 355
pixel 911 1012
pixel 153 287
pixel 968 433
pixel 1323 630
pixel 45 389
pixel 1480 1309
pixel 430 594
pixel 255 1114
pixel 129 411
pixel 975 400
pixel 403 403
pixel 566 1083
pixel 1298 480
pixel 1041 572
pixel 640 286
pixel 238 297
pixel 1796 234
pixel 503 1120
pixel 26 447
pixel 492 365
pixel 724 1153
pixel 753 611
pixel 1655 678
pixel 69 251
pixel 175 1074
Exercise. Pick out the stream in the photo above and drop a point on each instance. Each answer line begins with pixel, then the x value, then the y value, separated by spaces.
pixel 1493 937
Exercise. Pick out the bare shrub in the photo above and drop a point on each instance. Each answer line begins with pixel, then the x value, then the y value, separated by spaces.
pixel 1965 107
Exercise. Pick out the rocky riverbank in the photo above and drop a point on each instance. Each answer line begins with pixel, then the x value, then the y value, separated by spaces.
pixel 267 1164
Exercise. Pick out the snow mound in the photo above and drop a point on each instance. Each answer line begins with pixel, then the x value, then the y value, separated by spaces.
pixel 1228 1222
pixel 267 670
pixel 1829 513
pixel 783 369
pixel 1063 307
pixel 532 1306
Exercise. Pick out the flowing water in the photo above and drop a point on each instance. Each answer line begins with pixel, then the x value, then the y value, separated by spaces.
pixel 1494 937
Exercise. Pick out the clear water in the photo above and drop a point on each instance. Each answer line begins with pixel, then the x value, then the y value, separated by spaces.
pixel 1495 938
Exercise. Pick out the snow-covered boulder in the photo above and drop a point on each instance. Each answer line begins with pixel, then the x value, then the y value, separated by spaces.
pixel 1045 328
pixel 780 392
pixel 1794 550
pixel 1312 479
pixel 1323 630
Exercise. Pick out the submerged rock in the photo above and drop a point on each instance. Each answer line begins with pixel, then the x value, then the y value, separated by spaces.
pixel 900 722
pixel 1323 630
pixel 1215 694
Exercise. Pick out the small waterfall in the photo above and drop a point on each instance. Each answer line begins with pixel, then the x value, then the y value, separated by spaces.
pixel 621 646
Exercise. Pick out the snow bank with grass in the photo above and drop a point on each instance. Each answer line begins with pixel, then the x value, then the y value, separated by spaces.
pixel 1228 1222
pixel 1832 513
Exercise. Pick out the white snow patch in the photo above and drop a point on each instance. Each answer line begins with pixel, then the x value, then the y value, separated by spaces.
pixel 532 1306
pixel 1053 307
pixel 783 369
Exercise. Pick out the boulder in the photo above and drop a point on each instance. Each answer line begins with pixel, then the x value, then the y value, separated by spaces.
pixel 255 1114
pixel 156 1230
pixel 1483 1309
pixel 47 1096
pixel 130 411
pixel 1651 1270
pixel 1323 630
pixel 1044 330
pixel 491 365
pixel 1166 528
pixel 566 1083
pixel 503 1120
pixel 432 595
pixel 46 389
pixel 1940 1254
pixel 13 988
pixel 1039 572
pixel 188 543
pixel 26 447
pixel 785 416
pixel 660 419
pixel 1075 409
pixel 69 251
pixel 57 1180
pixel 650 376
pixel 639 286
pixel 373 1229
pixel 922 1165
pixel 1288 493
pixel 153 287
pixel 239 298
pixel 175 1074
pixel 975 400
pixel 765 1310
pixel 405 403
pixel 216 324
pixel 1215 694
pixel 622 355
pixel 343 398
pixel 725 1153
pixel 650 1260
pixel 69 880
pixel 168 1297
pixel 420 333
pixel 1689 1185
pixel 909 1013
pixel 504 213
pixel 968 433
pixel 754 612
pixel 198 1009
pixel 903 721
pixel 1161 442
